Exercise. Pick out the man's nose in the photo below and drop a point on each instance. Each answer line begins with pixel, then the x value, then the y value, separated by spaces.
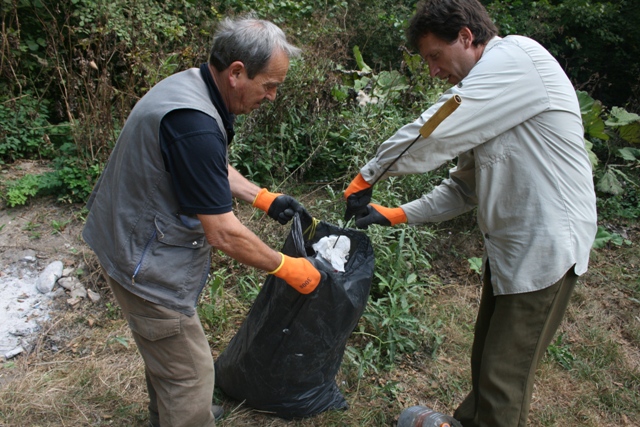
pixel 433 68
pixel 271 94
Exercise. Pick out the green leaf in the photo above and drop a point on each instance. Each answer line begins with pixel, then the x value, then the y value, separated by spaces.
pixel 340 93
pixel 591 111
pixel 629 154
pixel 361 64
pixel 475 264
pixel 360 84
pixel 602 237
pixel 617 239
pixel 609 183
pixel 593 157
pixel 631 133
pixel 392 80
pixel 119 340
pixel 621 117
pixel 586 102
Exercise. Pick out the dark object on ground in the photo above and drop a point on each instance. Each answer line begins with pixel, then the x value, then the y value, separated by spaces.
pixel 286 354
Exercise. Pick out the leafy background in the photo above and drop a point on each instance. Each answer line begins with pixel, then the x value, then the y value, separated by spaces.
pixel 73 69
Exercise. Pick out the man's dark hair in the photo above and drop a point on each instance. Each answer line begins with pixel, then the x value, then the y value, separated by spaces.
pixel 445 18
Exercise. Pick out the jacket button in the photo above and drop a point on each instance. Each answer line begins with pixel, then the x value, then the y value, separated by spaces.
pixel 195 243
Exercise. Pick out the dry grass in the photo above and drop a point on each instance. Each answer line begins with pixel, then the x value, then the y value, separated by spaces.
pixel 81 374
pixel 93 380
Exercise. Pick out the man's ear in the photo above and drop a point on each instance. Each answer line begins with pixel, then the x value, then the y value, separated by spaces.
pixel 235 71
pixel 466 36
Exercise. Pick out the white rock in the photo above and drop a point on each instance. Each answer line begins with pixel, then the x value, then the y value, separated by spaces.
pixel 69 283
pixel 47 279
pixel 80 292
pixel 13 353
pixel 93 296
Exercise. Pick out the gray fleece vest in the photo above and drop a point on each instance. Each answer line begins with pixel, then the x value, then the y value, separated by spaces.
pixel 133 224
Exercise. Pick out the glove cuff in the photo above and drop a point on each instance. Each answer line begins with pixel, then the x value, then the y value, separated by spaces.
pixel 397 216
pixel 264 199
pixel 358 184
pixel 299 273
pixel 394 215
pixel 279 267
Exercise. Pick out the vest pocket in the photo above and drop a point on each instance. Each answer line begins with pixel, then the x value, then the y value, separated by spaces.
pixel 176 234
pixel 174 257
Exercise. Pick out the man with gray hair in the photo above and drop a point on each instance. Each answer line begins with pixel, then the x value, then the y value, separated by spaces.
pixel 165 198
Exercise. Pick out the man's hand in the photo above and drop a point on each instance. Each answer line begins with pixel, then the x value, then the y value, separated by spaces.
pixel 278 206
pixel 358 195
pixel 376 214
pixel 299 273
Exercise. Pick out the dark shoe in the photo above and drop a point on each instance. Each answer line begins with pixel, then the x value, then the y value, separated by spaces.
pixel 217 411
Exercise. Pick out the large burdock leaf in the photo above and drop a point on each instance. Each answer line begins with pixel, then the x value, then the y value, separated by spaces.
pixel 591 111
pixel 609 183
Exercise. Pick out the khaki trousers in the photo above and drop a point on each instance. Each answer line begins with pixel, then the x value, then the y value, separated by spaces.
pixel 512 333
pixel 177 358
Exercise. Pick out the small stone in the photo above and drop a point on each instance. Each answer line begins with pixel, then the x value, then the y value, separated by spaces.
pixel 48 278
pixel 69 283
pixel 74 301
pixel 80 292
pixel 13 353
pixel 93 296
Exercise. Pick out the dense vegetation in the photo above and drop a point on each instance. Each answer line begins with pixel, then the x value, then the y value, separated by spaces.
pixel 71 70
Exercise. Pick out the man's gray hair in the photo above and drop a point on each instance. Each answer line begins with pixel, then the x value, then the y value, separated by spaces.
pixel 248 40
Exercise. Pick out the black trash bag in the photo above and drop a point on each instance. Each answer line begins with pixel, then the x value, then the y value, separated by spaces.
pixel 287 352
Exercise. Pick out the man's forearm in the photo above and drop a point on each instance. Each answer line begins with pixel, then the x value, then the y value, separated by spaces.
pixel 241 187
pixel 226 233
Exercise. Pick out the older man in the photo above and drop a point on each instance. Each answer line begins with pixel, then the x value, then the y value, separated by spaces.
pixel 521 161
pixel 165 198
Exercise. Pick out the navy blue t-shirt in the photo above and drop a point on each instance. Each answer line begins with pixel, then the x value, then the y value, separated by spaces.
pixel 195 154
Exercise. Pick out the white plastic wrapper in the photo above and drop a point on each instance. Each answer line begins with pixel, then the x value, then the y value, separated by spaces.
pixel 334 250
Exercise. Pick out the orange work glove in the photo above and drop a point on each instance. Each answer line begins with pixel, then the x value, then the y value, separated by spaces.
pixel 358 195
pixel 376 214
pixel 299 273
pixel 277 205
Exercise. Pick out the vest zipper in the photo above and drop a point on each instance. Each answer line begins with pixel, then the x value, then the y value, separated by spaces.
pixel 144 252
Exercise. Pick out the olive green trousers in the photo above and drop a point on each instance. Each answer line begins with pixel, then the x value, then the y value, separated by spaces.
pixel 512 333
pixel 178 362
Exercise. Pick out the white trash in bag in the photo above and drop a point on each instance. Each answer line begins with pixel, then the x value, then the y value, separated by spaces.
pixel 334 249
